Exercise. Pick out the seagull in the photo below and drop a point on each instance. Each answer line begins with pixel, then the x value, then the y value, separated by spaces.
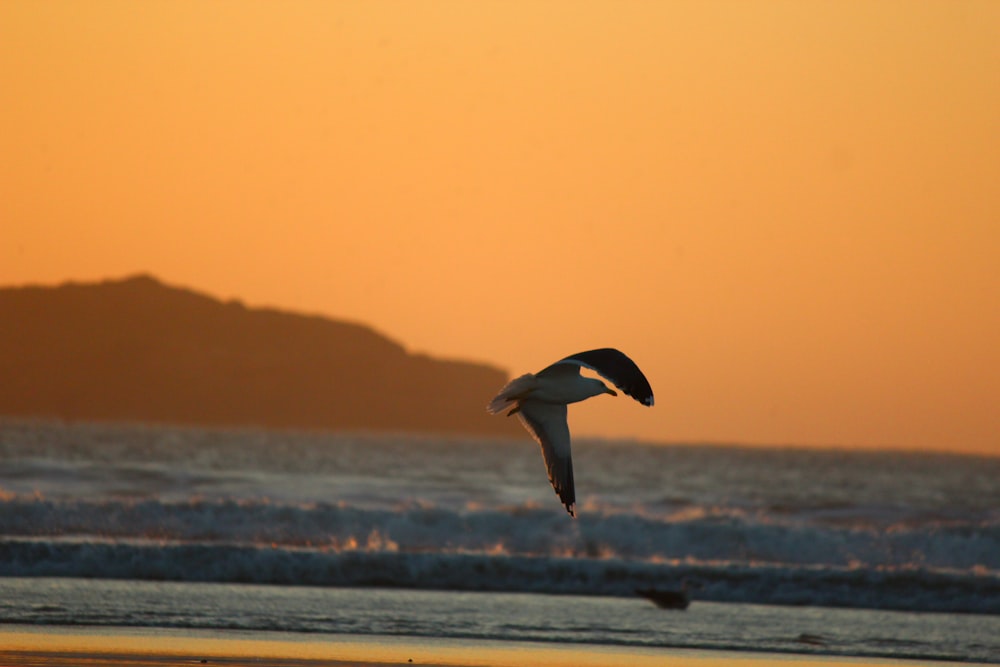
pixel 540 399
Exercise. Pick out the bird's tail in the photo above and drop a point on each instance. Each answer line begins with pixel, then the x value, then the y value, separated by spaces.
pixel 514 390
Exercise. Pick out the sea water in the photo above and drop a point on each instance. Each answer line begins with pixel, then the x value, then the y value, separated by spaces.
pixel 842 552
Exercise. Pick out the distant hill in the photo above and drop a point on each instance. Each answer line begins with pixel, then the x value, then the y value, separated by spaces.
pixel 139 350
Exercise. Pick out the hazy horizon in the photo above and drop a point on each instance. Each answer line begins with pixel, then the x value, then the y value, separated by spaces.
pixel 784 212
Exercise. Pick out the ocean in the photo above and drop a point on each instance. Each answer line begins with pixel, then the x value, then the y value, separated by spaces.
pixel 880 554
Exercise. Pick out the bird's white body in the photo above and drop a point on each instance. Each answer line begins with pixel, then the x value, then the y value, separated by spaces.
pixel 539 400
pixel 574 389
pixel 560 387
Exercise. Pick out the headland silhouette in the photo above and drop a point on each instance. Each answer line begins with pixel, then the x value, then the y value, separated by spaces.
pixel 136 349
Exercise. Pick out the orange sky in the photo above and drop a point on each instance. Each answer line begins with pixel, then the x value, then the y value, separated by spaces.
pixel 787 213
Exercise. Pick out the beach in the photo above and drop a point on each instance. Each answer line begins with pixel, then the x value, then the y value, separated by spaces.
pixel 25 646
pixel 129 543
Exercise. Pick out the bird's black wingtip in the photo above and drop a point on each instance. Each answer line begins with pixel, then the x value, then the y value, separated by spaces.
pixel 616 366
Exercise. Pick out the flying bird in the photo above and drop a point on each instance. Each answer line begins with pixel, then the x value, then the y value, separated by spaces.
pixel 540 399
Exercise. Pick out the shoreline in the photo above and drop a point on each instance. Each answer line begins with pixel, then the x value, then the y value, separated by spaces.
pixel 100 646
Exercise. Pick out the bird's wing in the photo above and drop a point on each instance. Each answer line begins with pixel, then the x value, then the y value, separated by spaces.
pixel 615 367
pixel 559 368
pixel 546 422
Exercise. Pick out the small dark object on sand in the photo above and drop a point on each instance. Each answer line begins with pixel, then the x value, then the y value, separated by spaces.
pixel 812 640
pixel 667 598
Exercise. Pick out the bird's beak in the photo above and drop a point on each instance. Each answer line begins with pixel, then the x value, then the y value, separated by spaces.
pixel 611 391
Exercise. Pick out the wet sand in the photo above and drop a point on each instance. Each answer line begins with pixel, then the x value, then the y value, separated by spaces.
pixel 24 646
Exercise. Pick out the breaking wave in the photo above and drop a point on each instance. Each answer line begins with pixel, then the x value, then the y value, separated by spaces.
pixel 940 565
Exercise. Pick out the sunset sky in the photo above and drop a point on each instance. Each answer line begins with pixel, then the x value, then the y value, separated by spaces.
pixel 788 213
